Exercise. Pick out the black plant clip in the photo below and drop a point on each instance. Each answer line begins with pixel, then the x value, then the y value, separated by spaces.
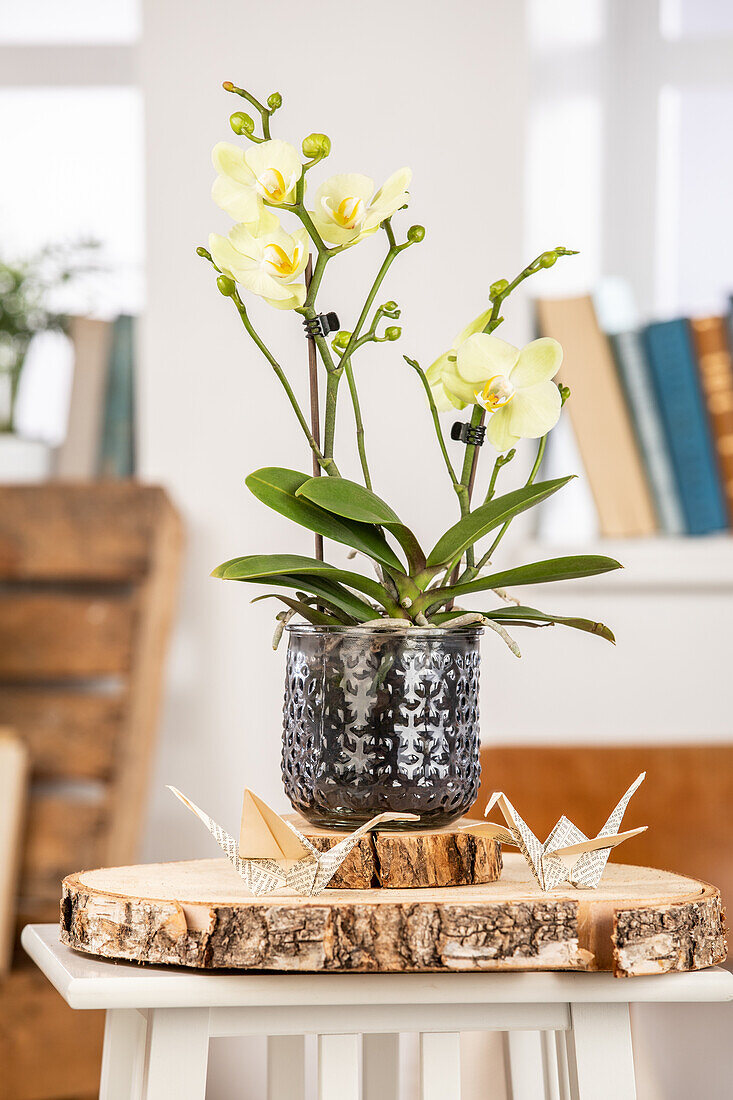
pixel 474 437
pixel 321 325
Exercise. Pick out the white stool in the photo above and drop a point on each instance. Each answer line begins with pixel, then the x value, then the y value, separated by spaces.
pixel 159 1023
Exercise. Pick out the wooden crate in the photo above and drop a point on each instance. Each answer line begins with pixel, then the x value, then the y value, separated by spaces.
pixel 88 579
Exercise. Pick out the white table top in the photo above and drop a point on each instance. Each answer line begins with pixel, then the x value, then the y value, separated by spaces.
pixel 88 982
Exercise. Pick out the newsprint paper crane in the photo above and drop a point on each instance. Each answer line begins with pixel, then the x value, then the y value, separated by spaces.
pixel 272 854
pixel 567 855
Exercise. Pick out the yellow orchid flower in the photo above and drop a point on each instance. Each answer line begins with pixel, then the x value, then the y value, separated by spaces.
pixel 266 265
pixel 247 178
pixel 443 398
pixel 347 209
pixel 514 385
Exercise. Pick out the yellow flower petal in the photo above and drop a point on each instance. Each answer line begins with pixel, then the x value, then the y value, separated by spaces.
pixel 539 361
pixel 346 185
pixel 443 399
pixel 226 257
pixel 534 410
pixel 239 201
pixel 457 387
pixel 393 192
pixel 276 167
pixel 499 432
pixel 477 325
pixel 293 301
pixel 482 357
pixel 229 160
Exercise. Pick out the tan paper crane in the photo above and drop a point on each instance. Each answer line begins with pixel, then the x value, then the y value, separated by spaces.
pixel 567 855
pixel 272 854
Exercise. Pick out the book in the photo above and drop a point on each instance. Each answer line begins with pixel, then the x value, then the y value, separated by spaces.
pixel 78 455
pixel 117 453
pixel 600 418
pixel 673 366
pixel 715 365
pixel 617 316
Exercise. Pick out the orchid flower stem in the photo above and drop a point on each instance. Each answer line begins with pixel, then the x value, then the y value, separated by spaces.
pixel 326 464
pixel 265 112
pixel 436 420
pixel 334 376
pixel 470 573
pixel 359 424
pixel 501 461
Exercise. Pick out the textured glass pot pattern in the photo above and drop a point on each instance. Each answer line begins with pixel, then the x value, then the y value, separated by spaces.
pixel 378 721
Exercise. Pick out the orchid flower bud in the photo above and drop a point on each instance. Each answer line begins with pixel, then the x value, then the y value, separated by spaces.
pixel 242 123
pixel 316 146
pixel 226 285
pixel 274 101
pixel 416 233
pixel 392 333
pixel 498 288
pixel 547 259
pixel 341 339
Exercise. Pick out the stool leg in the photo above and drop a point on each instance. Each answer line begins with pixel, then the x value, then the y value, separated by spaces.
pixel 177 1054
pixel 339 1072
pixel 440 1065
pixel 603 1055
pixel 123 1055
pixel 285 1067
pixel 381 1066
pixel 527 1065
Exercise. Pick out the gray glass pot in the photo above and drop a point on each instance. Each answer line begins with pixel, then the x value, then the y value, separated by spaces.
pixel 376 720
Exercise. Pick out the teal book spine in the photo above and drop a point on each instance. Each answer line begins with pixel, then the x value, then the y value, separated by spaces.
pixel 117 451
pixel 681 404
pixel 633 368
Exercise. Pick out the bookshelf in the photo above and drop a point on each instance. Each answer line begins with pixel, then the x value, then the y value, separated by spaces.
pixel 654 565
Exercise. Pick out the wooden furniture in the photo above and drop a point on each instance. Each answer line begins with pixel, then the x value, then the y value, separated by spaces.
pixel 88 578
pixel 685 800
pixel 199 913
pixel 159 1022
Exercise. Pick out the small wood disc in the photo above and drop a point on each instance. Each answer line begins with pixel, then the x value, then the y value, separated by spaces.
pixel 417 859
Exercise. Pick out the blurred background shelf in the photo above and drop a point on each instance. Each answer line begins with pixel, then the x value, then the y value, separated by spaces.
pixel 650 565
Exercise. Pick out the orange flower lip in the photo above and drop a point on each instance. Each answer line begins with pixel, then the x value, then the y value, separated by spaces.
pixel 348 213
pixel 278 259
pixel 497 393
pixel 272 183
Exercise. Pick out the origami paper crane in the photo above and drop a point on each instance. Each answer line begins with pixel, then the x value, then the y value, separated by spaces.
pixel 567 854
pixel 272 853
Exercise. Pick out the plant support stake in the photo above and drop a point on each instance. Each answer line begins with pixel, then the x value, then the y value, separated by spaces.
pixel 315 416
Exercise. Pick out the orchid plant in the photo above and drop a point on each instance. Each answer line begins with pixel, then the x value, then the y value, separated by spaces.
pixel 514 388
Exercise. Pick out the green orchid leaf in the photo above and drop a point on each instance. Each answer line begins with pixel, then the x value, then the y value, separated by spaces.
pixel 488 517
pixel 530 616
pixel 310 614
pixel 323 589
pixel 348 499
pixel 262 566
pixel 537 572
pixel 278 489
pixel 354 502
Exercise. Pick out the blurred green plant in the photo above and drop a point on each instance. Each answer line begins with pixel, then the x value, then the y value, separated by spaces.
pixel 27 290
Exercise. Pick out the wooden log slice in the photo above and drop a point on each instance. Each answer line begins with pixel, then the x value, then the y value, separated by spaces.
pixel 404 860
pixel 199 914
